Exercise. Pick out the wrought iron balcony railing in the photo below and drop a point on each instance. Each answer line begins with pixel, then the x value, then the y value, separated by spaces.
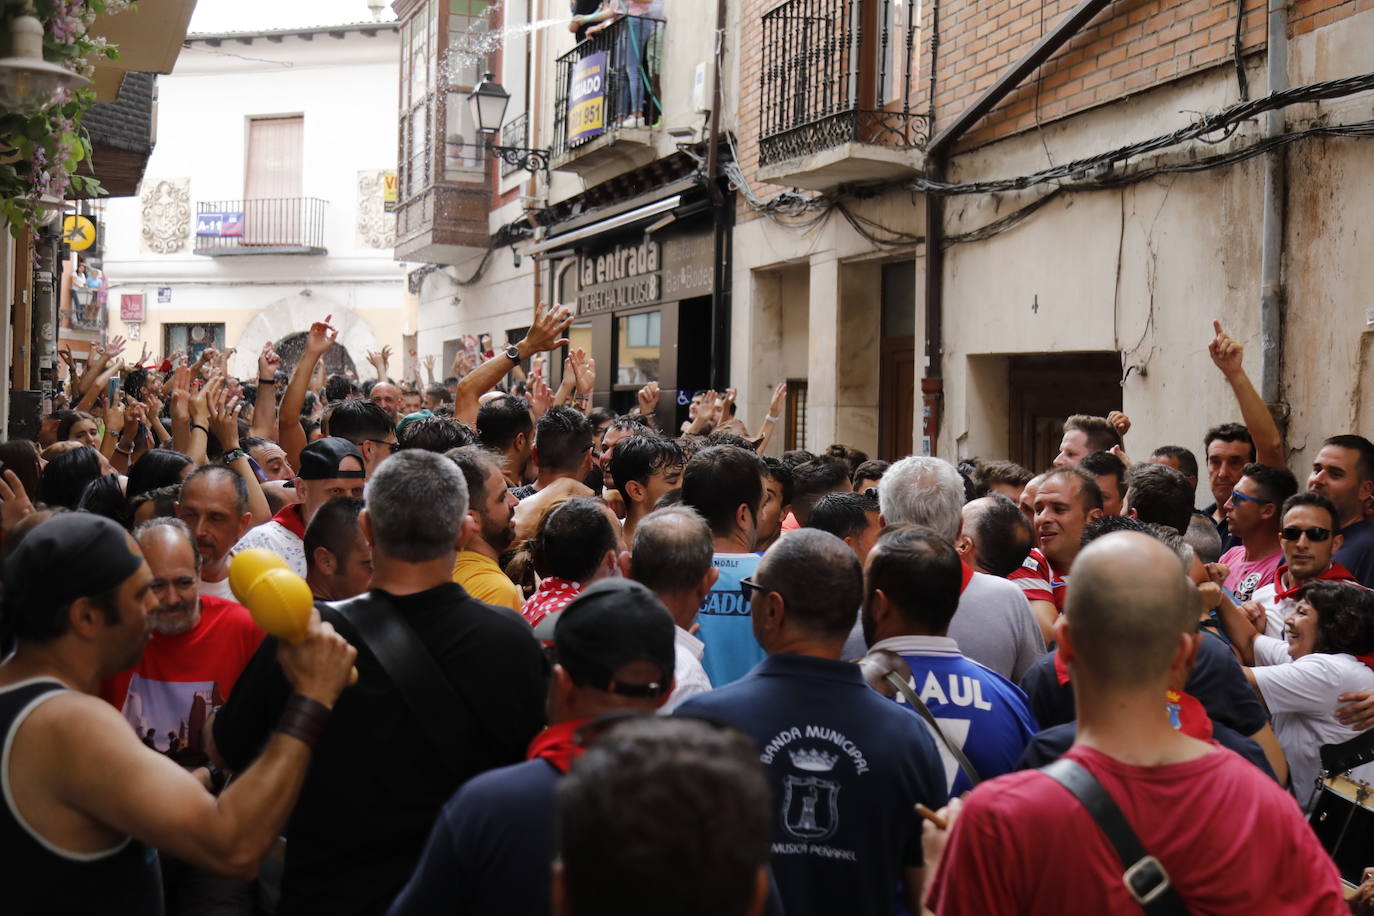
pixel 515 133
pixel 836 72
pixel 86 314
pixel 607 83
pixel 274 225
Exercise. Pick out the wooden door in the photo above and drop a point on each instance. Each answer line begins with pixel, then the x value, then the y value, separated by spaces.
pixel 897 398
pixel 274 181
pixel 1045 389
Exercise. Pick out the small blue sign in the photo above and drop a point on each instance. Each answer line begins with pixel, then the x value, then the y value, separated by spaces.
pixel 219 224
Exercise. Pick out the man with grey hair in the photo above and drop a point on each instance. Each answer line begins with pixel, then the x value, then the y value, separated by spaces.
pixel 671 556
pixel 379 745
pixel 993 625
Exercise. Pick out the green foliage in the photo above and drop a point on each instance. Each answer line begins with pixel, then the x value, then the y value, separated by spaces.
pixel 40 152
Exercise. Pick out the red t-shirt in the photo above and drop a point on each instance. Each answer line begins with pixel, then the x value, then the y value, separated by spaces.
pixel 1230 839
pixel 182 679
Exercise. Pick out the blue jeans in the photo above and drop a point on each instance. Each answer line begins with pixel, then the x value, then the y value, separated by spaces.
pixel 630 49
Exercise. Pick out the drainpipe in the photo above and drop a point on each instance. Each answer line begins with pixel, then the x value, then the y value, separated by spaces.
pixel 1275 176
pixel 720 288
pixel 937 161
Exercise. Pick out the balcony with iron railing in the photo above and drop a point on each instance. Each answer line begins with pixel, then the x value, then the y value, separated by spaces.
pixel 276 225
pixel 607 104
pixel 836 93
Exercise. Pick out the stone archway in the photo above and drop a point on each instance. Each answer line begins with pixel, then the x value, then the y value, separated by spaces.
pixel 337 361
pixel 279 321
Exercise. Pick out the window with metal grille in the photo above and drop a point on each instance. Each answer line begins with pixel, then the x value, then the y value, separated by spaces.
pixel 796 414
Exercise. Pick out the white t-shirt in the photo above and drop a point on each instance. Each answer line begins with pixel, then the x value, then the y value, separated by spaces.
pixel 218 589
pixel 687 671
pixel 1301 696
pixel 279 539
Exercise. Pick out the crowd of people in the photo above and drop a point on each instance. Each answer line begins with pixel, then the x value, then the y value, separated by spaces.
pixel 564 660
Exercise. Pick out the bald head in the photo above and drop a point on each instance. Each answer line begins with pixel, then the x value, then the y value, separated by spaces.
pixel 1128 604
pixel 388 397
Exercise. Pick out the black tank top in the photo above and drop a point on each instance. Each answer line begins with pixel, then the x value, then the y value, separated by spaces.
pixel 42 879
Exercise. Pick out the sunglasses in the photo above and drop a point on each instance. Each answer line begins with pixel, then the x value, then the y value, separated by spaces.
pixel 1315 535
pixel 1237 495
pixel 390 446
pixel 749 586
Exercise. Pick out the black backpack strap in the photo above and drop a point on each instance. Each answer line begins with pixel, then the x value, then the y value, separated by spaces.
pixel 1145 878
pixel 410 666
pixel 914 699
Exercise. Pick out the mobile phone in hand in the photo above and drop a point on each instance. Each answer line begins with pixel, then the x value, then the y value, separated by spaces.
pixel 114 390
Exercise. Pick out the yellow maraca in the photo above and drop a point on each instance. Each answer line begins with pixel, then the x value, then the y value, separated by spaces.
pixel 279 600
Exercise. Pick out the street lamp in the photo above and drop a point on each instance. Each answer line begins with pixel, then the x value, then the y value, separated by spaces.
pixel 488 104
pixel 29 83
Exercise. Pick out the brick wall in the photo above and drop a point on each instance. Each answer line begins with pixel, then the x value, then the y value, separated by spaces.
pixel 1131 46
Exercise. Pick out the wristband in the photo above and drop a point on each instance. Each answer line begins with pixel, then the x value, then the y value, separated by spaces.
pixel 773 419
pixel 233 455
pixel 114 433
pixel 304 719
pixel 124 449
pixel 582 397
pixel 267 381
pixel 204 429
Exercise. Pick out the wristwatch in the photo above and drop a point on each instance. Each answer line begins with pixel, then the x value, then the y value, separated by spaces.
pixel 513 353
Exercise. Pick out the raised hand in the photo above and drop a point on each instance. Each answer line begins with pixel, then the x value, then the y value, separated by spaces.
pixel 429 363
pixel 1120 422
pixel 648 398
pixel 779 399
pixel 1227 355
pixel 224 415
pixel 546 333
pixel 269 361
pixel 322 336
pixel 540 397
pixel 143 356
pixel 115 347
pixel 585 368
pixel 181 393
pixel 14 500
pixel 114 415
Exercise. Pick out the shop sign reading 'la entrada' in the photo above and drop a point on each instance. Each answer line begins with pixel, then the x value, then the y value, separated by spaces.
pixel 625 276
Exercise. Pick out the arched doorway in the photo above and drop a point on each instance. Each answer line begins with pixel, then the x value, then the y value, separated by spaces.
pixel 337 360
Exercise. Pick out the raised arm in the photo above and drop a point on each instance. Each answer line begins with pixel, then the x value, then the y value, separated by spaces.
pixel 109 775
pixel 224 422
pixel 265 407
pixel 1227 354
pixel 546 333
pixel 290 433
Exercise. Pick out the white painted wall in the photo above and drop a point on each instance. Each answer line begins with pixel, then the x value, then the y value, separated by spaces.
pixel 347 90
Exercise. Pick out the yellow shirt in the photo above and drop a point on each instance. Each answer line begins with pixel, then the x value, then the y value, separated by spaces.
pixel 483 580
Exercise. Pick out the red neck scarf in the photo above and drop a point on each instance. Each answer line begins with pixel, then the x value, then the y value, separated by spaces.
pixel 1335 573
pixel 968 576
pixel 291 518
pixel 558 745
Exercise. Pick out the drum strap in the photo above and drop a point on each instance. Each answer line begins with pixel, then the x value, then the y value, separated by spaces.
pixel 1145 877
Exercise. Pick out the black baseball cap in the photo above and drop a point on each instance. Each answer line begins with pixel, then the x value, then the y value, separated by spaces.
pixel 71 555
pixel 320 459
pixel 610 624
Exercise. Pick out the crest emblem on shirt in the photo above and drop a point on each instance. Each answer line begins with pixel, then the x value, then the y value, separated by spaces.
pixel 810 807
pixel 1247 586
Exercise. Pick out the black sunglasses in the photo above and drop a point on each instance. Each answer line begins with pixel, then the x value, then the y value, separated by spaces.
pixel 1315 535
pixel 749 586
pixel 391 446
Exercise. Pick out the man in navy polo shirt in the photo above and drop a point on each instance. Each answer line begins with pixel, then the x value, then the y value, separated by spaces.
pixel 493 845
pixel 911 589
pixel 846 765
